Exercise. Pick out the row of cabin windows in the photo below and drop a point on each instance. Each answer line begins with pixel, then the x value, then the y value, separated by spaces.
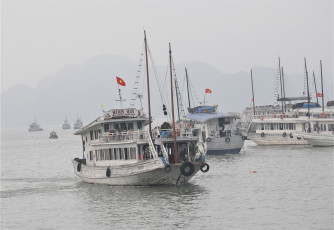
pixel 114 154
pixel 277 126
pixel 121 126
pixel 322 127
pixel 94 134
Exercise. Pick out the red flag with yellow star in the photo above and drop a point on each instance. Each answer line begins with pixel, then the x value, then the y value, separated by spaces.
pixel 120 81
pixel 208 91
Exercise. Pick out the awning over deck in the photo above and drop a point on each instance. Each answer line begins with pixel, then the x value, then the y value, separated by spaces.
pixel 203 117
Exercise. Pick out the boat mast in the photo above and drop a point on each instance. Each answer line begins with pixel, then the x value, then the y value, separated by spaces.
pixel 280 77
pixel 315 87
pixel 253 92
pixel 322 88
pixel 148 87
pixel 188 87
pixel 308 93
pixel 176 154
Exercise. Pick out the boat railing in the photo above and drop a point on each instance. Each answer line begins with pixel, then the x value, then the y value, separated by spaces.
pixel 168 133
pixel 152 149
pixel 123 136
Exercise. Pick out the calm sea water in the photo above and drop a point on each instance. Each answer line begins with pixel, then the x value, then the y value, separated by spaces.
pixel 291 189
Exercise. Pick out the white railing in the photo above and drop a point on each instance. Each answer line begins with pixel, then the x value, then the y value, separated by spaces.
pixel 123 136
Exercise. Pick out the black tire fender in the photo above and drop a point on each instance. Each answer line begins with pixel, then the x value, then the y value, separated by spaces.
pixel 208 139
pixel 79 167
pixel 187 168
pixel 227 139
pixel 108 172
pixel 244 138
pixel 167 168
pixel 291 135
pixel 206 169
pixel 284 134
pixel 262 134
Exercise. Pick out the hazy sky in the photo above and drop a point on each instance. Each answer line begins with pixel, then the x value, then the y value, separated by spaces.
pixel 38 38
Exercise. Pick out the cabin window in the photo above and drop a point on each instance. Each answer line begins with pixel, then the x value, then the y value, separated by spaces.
pixel 106 127
pixel 132 153
pixel 262 126
pixel 107 155
pixel 324 127
pixel 101 154
pixel 330 127
pixel 183 151
pixel 86 138
pixel 314 127
pixel 115 154
pixel 96 132
pixel 90 155
pixel 123 126
pixel 130 126
pixel 116 126
pixel 121 155
pixel 139 125
pixel 321 128
pixel 110 154
pixel 91 135
pixel 126 157
pixel 271 126
pixel 291 126
pixel 97 155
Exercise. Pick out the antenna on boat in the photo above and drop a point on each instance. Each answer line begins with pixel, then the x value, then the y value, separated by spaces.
pixel 283 89
pixel 322 88
pixel 315 87
pixel 176 154
pixel 120 97
pixel 253 92
pixel 308 93
pixel 280 77
pixel 148 87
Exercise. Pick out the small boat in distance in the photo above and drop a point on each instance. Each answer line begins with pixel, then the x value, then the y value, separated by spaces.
pixel 78 123
pixel 66 124
pixel 34 127
pixel 53 135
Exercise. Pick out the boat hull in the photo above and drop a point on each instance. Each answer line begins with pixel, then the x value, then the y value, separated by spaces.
pixel 320 140
pixel 276 139
pixel 151 172
pixel 218 146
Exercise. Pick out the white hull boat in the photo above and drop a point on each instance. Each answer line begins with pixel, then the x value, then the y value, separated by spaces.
pixel 319 139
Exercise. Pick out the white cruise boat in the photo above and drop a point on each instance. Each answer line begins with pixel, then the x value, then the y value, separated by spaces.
pixel 118 151
pixel 78 123
pixel 218 129
pixel 321 128
pixel 34 127
pixel 66 124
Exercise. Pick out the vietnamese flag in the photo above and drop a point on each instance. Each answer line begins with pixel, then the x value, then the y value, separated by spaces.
pixel 120 81
pixel 208 91
pixel 319 94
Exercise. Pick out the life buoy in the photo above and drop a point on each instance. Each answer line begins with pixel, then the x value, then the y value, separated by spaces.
pixel 187 168
pixel 281 116
pixel 284 134
pixel 205 167
pixel 208 139
pixel 244 138
pixel 291 135
pixel 108 172
pixel 262 134
pixel 227 139
pixel 79 167
pixel 323 115
pixel 261 117
pixel 168 168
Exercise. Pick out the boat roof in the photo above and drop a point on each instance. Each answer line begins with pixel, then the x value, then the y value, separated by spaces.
pixel 102 120
pixel 203 117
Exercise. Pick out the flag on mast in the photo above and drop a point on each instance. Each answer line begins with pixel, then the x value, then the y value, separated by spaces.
pixel 319 94
pixel 120 81
pixel 208 91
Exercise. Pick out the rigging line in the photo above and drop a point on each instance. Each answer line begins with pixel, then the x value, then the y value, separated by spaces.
pixel 156 73
pixel 135 86
pixel 194 92
pixel 178 92
pixel 168 103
